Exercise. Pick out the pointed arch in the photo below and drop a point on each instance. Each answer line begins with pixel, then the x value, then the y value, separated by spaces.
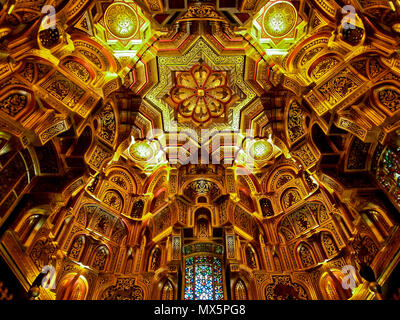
pixel 329 244
pixel 137 209
pixel 290 197
pixel 155 259
pixel 251 257
pixel 100 258
pixel 306 255
pixel 77 247
pixel 73 287
pixel 331 286
pixel 114 200
pixel 168 291
pixel 28 226
pixel 240 290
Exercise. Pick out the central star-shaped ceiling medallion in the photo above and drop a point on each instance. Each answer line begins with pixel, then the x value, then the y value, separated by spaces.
pixel 201 95
pixel 188 104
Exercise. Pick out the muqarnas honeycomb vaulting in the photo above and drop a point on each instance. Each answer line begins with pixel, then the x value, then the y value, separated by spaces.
pixel 183 150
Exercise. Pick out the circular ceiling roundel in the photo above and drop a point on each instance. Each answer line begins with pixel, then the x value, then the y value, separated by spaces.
pixel 141 151
pixel 279 19
pixel 121 20
pixel 261 149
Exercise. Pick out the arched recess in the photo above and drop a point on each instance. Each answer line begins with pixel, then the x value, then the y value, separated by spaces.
pixel 379 226
pixel 207 187
pixel 78 67
pixel 137 209
pixel 73 287
pixel 278 177
pixel 251 257
pixel 16 102
pixel 240 290
pixel 128 268
pixel 114 200
pixel 101 258
pixel 285 229
pixel 365 248
pixel 266 207
pixel 62 231
pixel 122 178
pixel 203 225
pixel 168 291
pixel 155 181
pixel 283 288
pixel 329 244
pixel 28 226
pixel 77 247
pixel 93 53
pixel 290 197
pixel 119 232
pixel 304 53
pixel 331 286
pixel 246 276
pixel 31 223
pixel 248 181
pixel 155 259
pixel 305 255
pixel 322 64
pixel 129 264
pixel 277 262
pixel 201 200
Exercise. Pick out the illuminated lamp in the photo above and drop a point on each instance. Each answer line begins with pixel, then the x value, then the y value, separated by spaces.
pixel 121 20
pixel 141 151
pixel 261 149
pixel 279 19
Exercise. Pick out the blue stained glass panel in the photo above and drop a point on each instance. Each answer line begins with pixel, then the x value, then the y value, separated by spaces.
pixel 203 278
pixel 188 292
pixel 389 175
pixel 203 289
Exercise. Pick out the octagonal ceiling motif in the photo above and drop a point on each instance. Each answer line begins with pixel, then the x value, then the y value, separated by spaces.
pixel 201 94
pixel 199 86
pixel 106 168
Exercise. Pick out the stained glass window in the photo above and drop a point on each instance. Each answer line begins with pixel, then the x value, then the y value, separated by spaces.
pixel 388 175
pixel 203 278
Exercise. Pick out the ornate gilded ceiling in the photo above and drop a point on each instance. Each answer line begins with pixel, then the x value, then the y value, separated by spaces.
pixel 136 134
